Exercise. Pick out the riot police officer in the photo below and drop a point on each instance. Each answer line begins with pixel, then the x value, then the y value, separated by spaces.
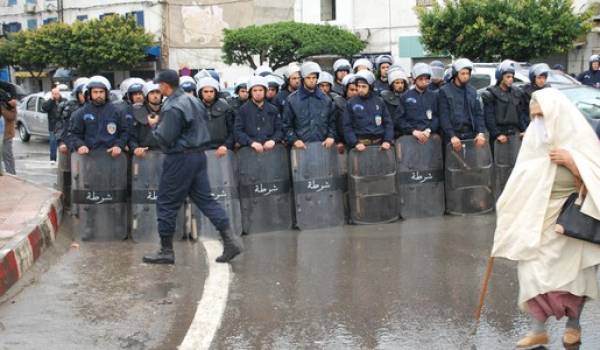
pixel 362 64
pixel 460 110
pixel 66 110
pixel 182 133
pixel 131 89
pixel 349 90
pixel 366 118
pixel 341 68
pixel 538 75
pixel 241 95
pixel 219 116
pixel 98 124
pixel 325 84
pixel 591 77
pixel 417 114
pixel 291 83
pixel 503 109
pixel 398 80
pixel 437 75
pixel 309 114
pixel 274 84
pixel 263 71
pixel 383 64
pixel 140 135
pixel 188 85
pixel 257 122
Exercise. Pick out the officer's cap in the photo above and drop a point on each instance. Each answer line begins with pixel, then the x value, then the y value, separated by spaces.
pixel 168 76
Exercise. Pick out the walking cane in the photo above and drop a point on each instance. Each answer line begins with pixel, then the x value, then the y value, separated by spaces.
pixel 484 287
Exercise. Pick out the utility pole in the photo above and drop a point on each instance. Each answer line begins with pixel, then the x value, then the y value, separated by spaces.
pixel 59 5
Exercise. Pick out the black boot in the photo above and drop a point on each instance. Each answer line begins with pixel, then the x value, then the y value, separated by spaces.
pixel 232 247
pixel 164 255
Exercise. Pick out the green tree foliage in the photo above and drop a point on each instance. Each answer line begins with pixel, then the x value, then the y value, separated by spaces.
pixel 284 42
pixel 112 43
pixel 488 30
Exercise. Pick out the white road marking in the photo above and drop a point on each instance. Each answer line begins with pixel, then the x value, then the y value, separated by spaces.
pixel 211 306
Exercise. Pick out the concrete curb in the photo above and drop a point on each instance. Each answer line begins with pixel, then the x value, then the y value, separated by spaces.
pixel 19 254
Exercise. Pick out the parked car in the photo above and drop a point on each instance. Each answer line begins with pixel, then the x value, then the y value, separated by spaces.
pixel 586 99
pixel 484 75
pixel 31 120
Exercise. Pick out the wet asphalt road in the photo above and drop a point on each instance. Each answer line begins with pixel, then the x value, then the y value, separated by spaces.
pixel 407 285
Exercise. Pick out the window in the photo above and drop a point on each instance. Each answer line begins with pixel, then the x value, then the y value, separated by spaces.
pixel 425 3
pixel 410 46
pixel 31 103
pixel 13 27
pixel 32 2
pixel 104 15
pixel 50 20
pixel 40 102
pixel 82 18
pixel 138 15
pixel 31 23
pixel 12 2
pixel 328 10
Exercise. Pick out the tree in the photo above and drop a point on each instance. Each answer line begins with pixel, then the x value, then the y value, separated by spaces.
pixel 488 30
pixel 112 43
pixel 284 42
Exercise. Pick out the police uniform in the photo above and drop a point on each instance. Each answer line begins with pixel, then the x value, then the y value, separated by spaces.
pixel 504 111
pixel 219 121
pixel 99 127
pixel 590 78
pixel 460 112
pixel 417 111
pixel 309 116
pixel 367 120
pixel 66 110
pixel 255 123
pixel 380 86
pixel 140 133
pixel 183 135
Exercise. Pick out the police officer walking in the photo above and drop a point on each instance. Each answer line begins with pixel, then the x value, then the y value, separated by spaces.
pixel 418 114
pixel 383 64
pixel 460 111
pixel 219 116
pixel 591 77
pixel 366 118
pixel 99 124
pixel 258 123
pixel 309 114
pixel 183 135
pixel 503 109
pixel 341 68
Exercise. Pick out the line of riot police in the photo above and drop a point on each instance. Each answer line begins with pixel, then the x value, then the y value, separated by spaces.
pixel 311 150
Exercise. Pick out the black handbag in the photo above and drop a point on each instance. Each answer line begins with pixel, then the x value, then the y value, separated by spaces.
pixel 573 223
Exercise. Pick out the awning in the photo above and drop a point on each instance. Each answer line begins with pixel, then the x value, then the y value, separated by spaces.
pixel 153 51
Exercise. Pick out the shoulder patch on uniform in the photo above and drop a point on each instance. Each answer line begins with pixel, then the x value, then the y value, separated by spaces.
pixel 88 116
pixel 411 100
pixel 111 128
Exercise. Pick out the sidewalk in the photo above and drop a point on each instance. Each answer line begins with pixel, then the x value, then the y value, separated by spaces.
pixel 29 219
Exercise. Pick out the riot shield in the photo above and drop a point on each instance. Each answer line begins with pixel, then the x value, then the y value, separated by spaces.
pixel 222 176
pixel 318 187
pixel 99 193
pixel 265 190
pixel 63 177
pixel 505 157
pixel 372 186
pixel 145 179
pixel 469 179
pixel 342 163
pixel 420 177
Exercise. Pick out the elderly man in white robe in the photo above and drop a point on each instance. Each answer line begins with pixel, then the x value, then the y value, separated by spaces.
pixel 557 274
